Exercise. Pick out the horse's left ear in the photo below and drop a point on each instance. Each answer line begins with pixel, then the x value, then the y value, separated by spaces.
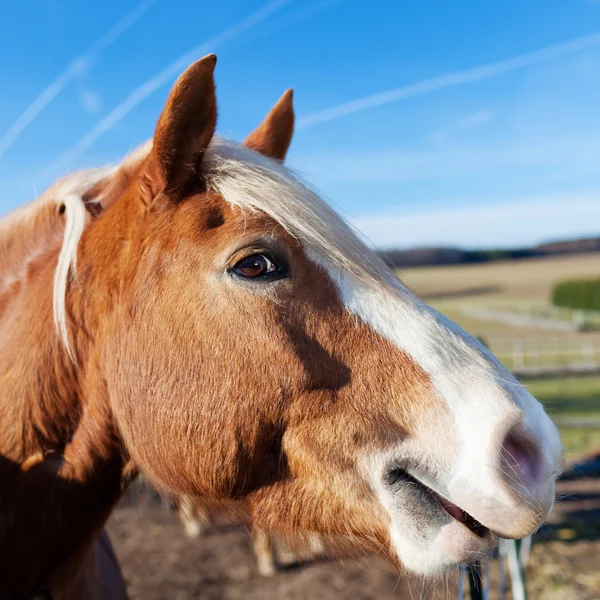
pixel 184 130
pixel 273 136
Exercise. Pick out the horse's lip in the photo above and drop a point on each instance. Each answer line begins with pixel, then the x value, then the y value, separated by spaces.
pixel 462 516
pixel 454 511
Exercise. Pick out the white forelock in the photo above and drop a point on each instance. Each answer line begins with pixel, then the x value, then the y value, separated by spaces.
pixel 254 183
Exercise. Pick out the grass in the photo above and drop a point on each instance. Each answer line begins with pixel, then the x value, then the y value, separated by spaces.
pixel 568 396
pixel 578 442
pixel 528 280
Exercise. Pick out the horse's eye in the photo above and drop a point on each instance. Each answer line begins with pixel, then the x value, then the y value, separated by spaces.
pixel 256 265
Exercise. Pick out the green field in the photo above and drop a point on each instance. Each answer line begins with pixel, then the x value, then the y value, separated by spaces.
pixel 526 286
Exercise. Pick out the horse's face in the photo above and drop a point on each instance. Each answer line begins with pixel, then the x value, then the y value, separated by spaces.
pixel 246 362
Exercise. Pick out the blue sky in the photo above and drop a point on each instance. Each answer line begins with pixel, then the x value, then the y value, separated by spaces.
pixel 467 123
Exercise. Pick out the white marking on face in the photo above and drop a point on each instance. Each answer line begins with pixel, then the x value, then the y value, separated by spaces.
pixel 483 399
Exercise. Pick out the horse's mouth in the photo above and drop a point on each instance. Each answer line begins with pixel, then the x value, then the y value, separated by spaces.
pixel 462 516
pixel 398 476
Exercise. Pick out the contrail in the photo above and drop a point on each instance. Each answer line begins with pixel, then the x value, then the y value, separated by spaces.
pixel 449 80
pixel 304 12
pixel 160 79
pixel 75 68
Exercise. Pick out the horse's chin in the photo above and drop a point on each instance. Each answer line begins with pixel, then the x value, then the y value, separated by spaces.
pixel 451 545
pixel 429 534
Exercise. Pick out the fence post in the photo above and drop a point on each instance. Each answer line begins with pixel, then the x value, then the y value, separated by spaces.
pixel 518 355
pixel 515 568
pixel 588 351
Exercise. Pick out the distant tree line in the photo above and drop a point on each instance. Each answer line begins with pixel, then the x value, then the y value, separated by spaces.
pixel 583 294
pixel 420 257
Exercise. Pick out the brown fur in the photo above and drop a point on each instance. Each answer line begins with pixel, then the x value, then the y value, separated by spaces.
pixel 273 137
pixel 206 385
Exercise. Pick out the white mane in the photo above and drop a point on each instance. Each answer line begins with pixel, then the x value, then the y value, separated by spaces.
pixel 253 183
pixel 69 193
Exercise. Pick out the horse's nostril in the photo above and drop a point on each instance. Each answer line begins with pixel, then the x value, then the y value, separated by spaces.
pixel 520 460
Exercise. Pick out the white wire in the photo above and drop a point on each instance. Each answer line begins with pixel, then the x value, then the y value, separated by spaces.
pixel 487 587
pixel 516 575
pixel 525 551
pixel 461 581
pixel 503 588
pixel 517 560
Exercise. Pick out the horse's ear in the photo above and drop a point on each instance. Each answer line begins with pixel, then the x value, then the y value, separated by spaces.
pixel 273 136
pixel 184 130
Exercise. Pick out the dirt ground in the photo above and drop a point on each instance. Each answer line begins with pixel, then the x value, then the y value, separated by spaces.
pixel 160 563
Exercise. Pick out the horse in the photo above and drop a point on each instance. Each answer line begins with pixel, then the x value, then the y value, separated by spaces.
pixel 199 315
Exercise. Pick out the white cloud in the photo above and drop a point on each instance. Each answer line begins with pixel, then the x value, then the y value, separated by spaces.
pixel 519 221
pixel 466 123
pixel 576 155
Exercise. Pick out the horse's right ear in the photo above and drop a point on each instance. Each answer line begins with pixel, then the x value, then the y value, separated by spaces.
pixel 184 131
pixel 274 135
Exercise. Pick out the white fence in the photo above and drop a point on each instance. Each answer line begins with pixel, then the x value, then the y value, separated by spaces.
pixel 560 355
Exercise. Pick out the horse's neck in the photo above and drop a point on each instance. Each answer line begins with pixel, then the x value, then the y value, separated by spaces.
pixel 61 463
pixel 38 394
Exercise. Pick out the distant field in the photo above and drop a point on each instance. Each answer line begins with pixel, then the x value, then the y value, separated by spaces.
pixel 513 285
pixel 519 286
pixel 528 279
